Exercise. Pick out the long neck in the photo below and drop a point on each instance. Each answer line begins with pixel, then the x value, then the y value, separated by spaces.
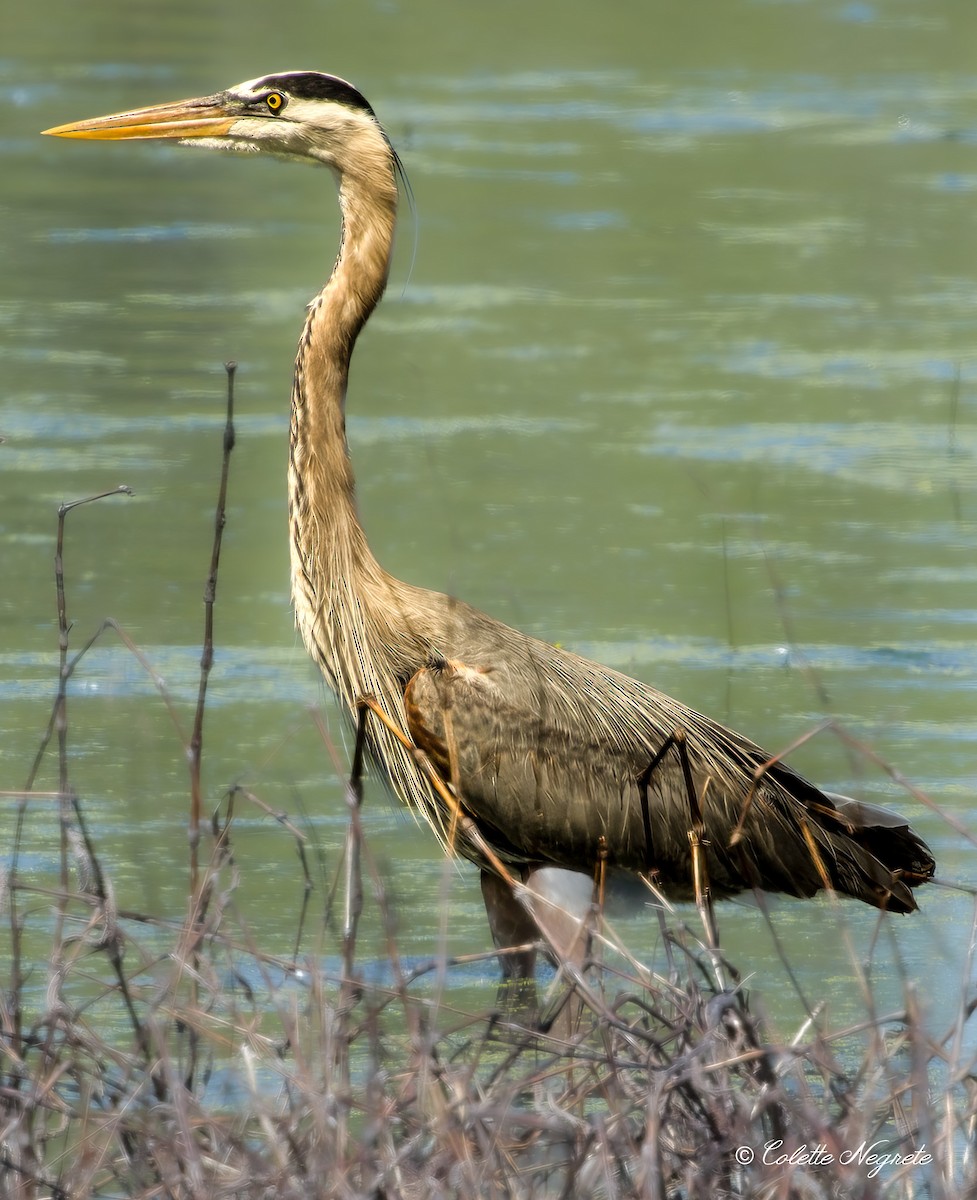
pixel 334 574
pixel 368 631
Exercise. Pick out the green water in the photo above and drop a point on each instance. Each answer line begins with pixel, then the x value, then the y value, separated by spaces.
pixel 676 368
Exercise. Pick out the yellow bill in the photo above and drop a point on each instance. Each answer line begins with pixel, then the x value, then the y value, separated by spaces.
pixel 207 117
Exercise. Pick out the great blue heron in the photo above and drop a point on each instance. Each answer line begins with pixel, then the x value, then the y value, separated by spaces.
pixel 556 761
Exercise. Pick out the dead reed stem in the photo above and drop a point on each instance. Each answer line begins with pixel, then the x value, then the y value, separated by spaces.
pixel 207 654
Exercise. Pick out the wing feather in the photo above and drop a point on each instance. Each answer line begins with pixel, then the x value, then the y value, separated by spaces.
pixel 552 773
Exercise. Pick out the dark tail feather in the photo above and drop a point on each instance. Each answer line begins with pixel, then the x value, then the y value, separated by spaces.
pixel 888 837
pixel 875 854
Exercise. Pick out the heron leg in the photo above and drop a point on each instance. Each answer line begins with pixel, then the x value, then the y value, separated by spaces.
pixel 553 906
pixel 512 927
pixel 560 902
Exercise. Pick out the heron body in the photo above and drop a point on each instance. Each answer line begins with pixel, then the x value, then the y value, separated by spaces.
pixel 549 754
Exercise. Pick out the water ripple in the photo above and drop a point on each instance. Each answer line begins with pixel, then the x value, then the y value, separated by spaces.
pixel 889 456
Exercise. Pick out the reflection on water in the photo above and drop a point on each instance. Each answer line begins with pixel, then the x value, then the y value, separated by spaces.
pixel 677 369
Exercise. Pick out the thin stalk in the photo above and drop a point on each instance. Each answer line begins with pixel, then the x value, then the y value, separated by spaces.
pixel 201 888
pixel 207 655
pixel 61 703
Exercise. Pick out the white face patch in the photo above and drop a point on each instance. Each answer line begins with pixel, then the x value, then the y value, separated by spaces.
pixel 310 95
pixel 313 118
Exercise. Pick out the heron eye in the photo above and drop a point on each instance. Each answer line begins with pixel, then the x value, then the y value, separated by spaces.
pixel 275 101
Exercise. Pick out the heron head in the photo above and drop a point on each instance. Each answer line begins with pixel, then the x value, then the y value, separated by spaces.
pixel 302 116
